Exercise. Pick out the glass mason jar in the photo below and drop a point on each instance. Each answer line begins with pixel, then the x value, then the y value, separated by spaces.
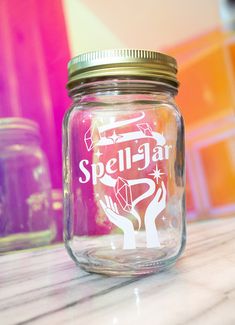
pixel 123 153
pixel 25 187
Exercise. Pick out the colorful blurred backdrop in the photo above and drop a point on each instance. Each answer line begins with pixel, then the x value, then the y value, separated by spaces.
pixel 38 37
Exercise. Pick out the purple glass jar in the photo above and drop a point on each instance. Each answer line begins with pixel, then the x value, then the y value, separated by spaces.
pixel 25 187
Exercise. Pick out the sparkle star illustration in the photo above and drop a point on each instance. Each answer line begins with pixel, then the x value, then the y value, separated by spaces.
pixel 98 153
pixel 157 174
pixel 114 137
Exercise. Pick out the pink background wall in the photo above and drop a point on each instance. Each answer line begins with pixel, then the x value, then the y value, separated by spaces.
pixel 33 59
pixel 38 37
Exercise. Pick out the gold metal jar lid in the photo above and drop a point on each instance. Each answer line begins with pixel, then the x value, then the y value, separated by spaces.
pixel 122 62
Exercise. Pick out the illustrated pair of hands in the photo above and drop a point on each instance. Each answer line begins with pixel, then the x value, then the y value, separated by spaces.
pixel 155 207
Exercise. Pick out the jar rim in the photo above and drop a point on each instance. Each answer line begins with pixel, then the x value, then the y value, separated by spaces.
pixel 19 123
pixel 122 62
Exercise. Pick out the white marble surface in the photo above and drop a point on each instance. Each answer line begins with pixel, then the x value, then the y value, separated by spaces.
pixel 46 287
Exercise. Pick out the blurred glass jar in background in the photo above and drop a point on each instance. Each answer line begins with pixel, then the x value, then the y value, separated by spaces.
pixel 25 187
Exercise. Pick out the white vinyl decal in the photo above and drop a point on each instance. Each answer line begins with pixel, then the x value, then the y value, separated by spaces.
pixel 126 158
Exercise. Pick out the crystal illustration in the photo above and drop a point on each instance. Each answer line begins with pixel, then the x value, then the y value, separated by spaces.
pixel 123 194
pixel 91 137
pixel 145 128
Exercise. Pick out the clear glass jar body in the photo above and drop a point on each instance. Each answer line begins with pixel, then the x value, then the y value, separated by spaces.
pixel 25 187
pixel 124 183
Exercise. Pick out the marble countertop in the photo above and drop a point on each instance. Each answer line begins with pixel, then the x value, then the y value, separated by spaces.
pixel 46 287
